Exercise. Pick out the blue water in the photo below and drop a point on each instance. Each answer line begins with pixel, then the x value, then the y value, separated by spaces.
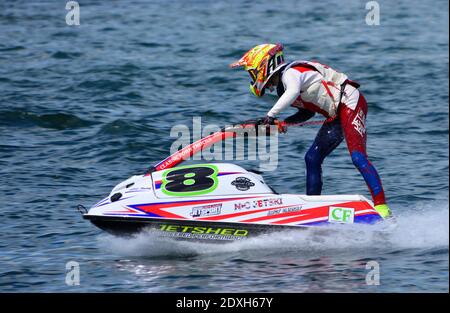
pixel 84 107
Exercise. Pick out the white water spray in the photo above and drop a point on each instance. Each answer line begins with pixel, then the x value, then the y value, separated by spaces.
pixel 422 227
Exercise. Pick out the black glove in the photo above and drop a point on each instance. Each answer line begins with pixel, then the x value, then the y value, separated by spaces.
pixel 268 120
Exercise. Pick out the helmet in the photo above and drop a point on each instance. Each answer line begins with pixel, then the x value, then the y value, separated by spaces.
pixel 261 62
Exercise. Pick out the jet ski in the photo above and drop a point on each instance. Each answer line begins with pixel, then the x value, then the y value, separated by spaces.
pixel 216 202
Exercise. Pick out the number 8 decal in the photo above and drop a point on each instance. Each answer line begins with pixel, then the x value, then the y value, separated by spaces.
pixel 193 180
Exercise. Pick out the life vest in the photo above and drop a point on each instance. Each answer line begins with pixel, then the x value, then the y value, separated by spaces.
pixel 325 94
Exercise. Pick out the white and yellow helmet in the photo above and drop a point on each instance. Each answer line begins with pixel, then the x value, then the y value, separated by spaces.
pixel 261 62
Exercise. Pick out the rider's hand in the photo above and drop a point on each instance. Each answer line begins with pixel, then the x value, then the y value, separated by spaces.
pixel 268 120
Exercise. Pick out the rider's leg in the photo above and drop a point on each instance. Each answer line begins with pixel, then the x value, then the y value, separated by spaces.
pixel 328 138
pixel 354 127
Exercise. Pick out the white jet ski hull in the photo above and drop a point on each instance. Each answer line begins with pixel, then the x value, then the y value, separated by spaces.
pixel 218 202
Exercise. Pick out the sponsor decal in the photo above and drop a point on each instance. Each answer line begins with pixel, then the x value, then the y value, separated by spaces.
pixel 200 232
pixel 243 183
pixel 359 123
pixel 206 210
pixel 274 212
pixel 284 210
pixel 257 204
pixel 341 215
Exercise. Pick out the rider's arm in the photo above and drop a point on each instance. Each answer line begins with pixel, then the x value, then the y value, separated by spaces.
pixel 292 84
pixel 301 116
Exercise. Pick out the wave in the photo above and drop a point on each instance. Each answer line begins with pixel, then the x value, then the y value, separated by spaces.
pixel 126 127
pixel 66 55
pixel 12 48
pixel 59 121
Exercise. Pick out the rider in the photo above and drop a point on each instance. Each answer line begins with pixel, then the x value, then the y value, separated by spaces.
pixel 312 88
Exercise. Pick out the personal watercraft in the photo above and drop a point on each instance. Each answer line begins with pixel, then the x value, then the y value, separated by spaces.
pixel 216 202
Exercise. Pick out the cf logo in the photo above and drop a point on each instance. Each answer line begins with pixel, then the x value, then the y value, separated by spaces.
pixel 341 215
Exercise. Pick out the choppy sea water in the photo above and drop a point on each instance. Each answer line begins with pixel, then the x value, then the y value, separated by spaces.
pixel 84 107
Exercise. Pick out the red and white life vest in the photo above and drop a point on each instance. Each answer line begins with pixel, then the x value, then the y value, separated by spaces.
pixel 326 93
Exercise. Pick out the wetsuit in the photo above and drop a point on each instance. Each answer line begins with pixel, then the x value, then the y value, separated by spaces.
pixel 349 122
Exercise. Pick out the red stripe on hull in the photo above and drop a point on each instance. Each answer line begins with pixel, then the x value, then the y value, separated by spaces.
pixel 319 212
pixel 263 218
pixel 221 217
